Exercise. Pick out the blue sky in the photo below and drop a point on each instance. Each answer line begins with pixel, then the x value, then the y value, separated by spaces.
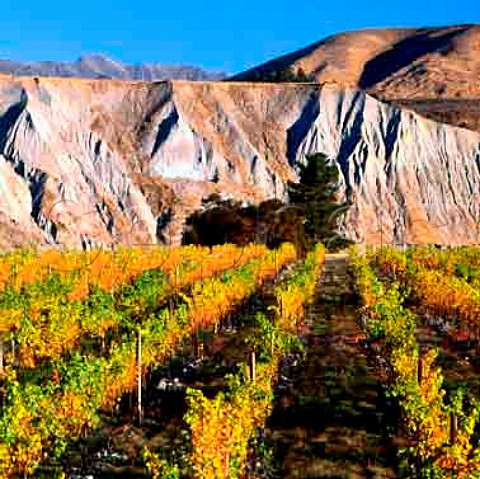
pixel 218 35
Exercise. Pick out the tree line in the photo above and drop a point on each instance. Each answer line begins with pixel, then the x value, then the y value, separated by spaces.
pixel 308 216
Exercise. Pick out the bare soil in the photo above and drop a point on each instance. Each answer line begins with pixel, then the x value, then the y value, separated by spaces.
pixel 331 418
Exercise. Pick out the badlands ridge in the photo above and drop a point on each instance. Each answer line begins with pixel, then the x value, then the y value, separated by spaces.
pixel 84 162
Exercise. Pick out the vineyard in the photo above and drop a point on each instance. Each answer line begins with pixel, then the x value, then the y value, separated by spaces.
pixel 228 362
pixel 82 333
pixel 420 316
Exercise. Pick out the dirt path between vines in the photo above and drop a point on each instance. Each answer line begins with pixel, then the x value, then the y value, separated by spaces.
pixel 330 418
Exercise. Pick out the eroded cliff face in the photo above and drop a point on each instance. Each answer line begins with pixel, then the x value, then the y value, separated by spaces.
pixel 84 162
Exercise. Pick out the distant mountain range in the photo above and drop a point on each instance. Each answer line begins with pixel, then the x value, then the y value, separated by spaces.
pixel 101 66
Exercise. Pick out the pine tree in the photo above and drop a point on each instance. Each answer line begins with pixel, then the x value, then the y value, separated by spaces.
pixel 315 195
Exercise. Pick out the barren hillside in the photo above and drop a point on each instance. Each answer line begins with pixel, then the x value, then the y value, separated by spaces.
pixel 398 65
pixel 86 161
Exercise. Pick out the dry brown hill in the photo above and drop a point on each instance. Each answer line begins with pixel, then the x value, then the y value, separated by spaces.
pixel 435 71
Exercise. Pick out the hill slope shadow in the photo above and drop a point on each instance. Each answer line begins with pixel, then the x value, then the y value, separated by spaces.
pixel 405 52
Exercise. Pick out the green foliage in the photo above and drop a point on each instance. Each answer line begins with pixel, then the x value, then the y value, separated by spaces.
pixel 467 271
pixel 219 222
pixel 272 222
pixel 142 296
pixel 157 467
pixel 315 196
pixel 287 75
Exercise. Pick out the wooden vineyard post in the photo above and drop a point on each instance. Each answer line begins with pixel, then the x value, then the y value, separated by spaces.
pixel 420 369
pixel 252 366
pixel 2 372
pixel 200 349
pixel 194 341
pixel 170 309
pixel 453 428
pixel 139 377
pixel 2 364
pixel 227 465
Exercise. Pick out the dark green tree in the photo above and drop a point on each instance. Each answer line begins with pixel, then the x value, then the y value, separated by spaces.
pixel 272 222
pixel 315 196
pixel 287 75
